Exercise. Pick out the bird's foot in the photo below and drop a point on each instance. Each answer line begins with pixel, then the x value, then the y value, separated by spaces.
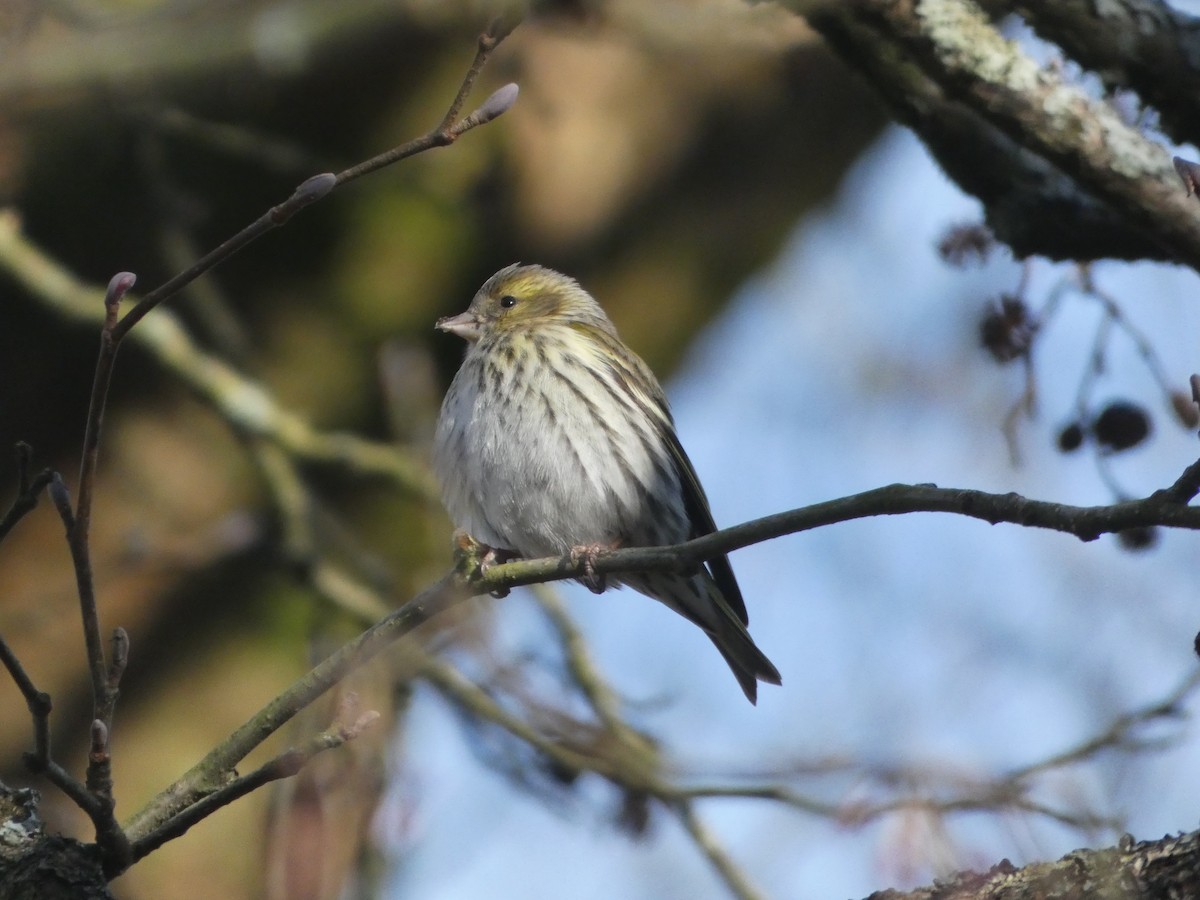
pixel 496 556
pixel 473 555
pixel 594 581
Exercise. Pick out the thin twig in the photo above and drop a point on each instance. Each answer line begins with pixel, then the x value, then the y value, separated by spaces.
pixel 29 488
pixel 580 663
pixel 1001 798
pixel 735 879
pixel 97 808
pixel 285 765
pixel 776 793
pixel 1186 486
pixel 1118 734
pixel 211 772
pixel 1009 791
pixel 319 186
pixel 78 522
pixel 38 702
pixel 118 287
pixel 244 403
pixel 628 768
pixel 306 193
pixel 448 130
pixel 103 698
pixel 1025 405
pixel 1114 313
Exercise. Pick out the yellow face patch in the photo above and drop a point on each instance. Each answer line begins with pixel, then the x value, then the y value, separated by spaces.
pixel 526 296
pixel 529 282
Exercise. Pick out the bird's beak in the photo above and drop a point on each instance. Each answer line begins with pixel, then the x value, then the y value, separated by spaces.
pixel 465 325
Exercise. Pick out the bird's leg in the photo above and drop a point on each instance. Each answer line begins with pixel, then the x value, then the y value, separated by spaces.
pixel 594 581
pixel 481 557
pixel 496 556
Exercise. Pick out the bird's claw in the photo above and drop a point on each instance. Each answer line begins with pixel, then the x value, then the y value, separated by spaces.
pixel 496 556
pixel 596 582
pixel 482 557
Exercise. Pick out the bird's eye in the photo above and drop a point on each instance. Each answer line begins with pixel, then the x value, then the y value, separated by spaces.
pixel 508 301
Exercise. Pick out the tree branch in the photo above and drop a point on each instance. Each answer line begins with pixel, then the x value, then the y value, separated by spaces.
pixel 244 403
pixel 1001 125
pixel 466 580
pixel 1140 45
pixel 734 878
pixel 448 130
pixel 211 772
pixel 285 765
pixel 319 186
pixel 38 702
pixel 1163 868
pixel 1084 522
pixel 97 799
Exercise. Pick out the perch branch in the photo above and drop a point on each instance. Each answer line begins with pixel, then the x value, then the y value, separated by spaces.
pixel 466 580
pixel 1085 522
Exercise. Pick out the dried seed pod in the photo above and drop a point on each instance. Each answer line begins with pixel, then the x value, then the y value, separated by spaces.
pixel 1007 332
pixel 1070 438
pixel 1121 425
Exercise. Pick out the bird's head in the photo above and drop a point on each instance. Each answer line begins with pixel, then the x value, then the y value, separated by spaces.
pixel 525 297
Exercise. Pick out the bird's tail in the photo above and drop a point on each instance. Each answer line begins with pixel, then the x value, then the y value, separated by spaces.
pixel 700 599
pixel 749 664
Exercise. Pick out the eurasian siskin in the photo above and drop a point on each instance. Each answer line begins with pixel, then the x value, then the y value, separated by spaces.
pixel 556 438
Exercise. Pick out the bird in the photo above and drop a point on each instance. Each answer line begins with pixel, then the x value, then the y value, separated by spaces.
pixel 555 438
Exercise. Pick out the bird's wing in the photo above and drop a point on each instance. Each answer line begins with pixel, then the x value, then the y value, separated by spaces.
pixel 654 404
pixel 699 514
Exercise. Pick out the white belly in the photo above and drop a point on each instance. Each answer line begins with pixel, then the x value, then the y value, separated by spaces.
pixel 548 472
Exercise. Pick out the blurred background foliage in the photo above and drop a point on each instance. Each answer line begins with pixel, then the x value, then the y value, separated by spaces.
pixel 659 162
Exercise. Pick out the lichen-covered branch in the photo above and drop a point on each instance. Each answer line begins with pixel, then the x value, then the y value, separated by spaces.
pixel 1061 174
pixel 241 401
pixel 1145 46
pixel 1162 868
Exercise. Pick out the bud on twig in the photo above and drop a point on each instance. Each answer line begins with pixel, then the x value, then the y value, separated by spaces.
pixel 99 751
pixel 61 498
pixel 497 104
